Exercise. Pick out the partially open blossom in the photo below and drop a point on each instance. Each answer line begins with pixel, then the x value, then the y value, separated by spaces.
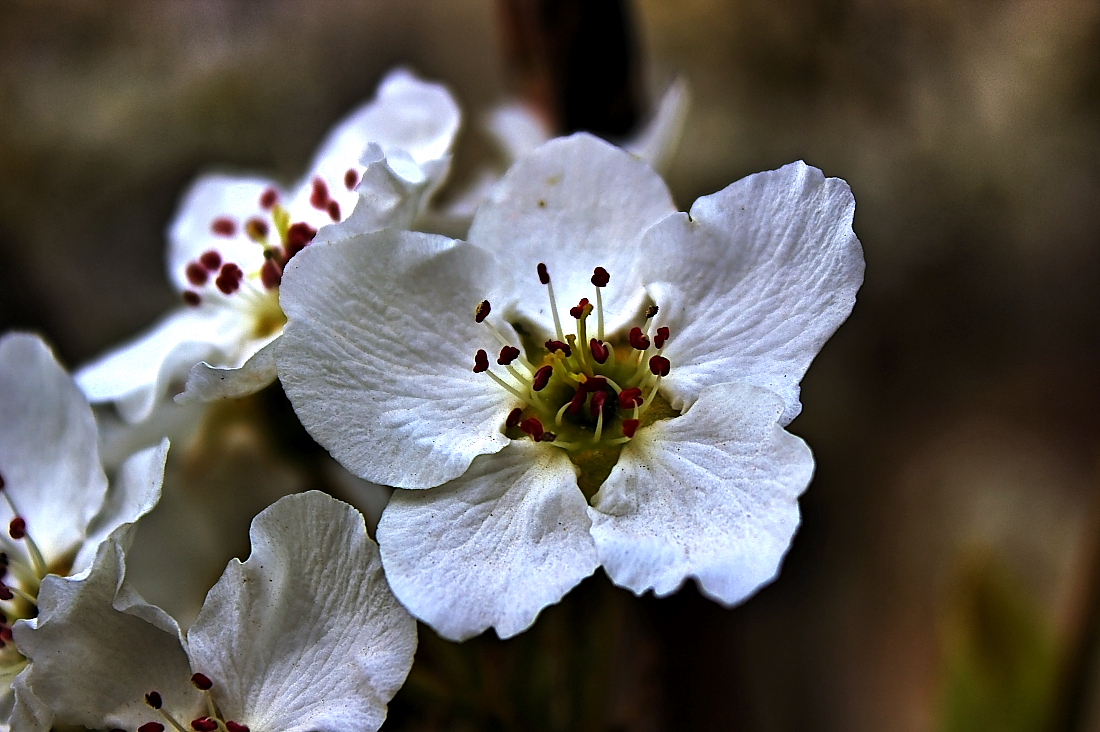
pixel 233 236
pixel 305 636
pixel 639 426
pixel 55 501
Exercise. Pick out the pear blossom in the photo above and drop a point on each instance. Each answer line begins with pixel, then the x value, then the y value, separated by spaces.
pixel 304 636
pixel 58 503
pixel 233 235
pixel 592 379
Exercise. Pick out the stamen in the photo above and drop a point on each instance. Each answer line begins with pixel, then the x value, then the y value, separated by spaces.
pixel 481 361
pixel 544 278
pixel 224 226
pixel 661 337
pixel 513 418
pixel 204 724
pixel 598 401
pixel 351 179
pixel 508 354
pixel 659 366
pixel 153 699
pixel 256 229
pixel 192 298
pixel 630 427
pixel 333 209
pixel 268 199
pixel 298 236
pixel 579 311
pixel 542 378
pixel 600 352
pixel 600 277
pixel 533 427
pixel 235 727
pixel 151 727
pixel 638 339
pixel 651 311
pixel 318 198
pixel 559 346
pixel 197 275
pixel 630 398
pixel 229 280
pixel 211 259
pixel 271 275
pixel 482 311
pixel 17 529
pixel 202 682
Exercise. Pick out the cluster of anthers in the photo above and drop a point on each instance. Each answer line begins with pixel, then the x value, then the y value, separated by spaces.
pixel 212 278
pixel 22 568
pixel 212 721
pixel 579 392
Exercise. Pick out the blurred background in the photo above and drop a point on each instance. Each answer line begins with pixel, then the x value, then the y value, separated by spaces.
pixel 946 574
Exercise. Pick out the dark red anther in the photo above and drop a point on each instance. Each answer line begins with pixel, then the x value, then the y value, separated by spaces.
pixel 481 312
pixel 661 337
pixel 3 555
pixel 196 274
pixel 153 699
pixel 542 378
pixel 630 426
pixel 17 529
pixel 546 437
pixel 3 618
pixel 211 259
pixel 318 197
pixel 202 682
pixel 598 401
pixel 2 483
pixel 229 280
pixel 650 311
pixel 630 398
pixel 481 361
pixel 594 384
pixel 5 634
pixel 532 426
pixel 297 237
pixel 235 727
pixel 333 209
pixel 659 365
pixel 508 354
pixel 204 724
pixel 638 339
pixel 351 179
pixel 600 352
pixel 513 418
pixel 224 226
pixel 271 274
pixel 5 592
pixel 192 298
pixel 256 228
pixel 268 199
pixel 151 727
pixel 578 310
pixel 552 346
pixel 577 402
pixel 600 277
pixel 544 275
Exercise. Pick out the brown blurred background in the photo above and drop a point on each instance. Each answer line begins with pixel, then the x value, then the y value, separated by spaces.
pixel 943 574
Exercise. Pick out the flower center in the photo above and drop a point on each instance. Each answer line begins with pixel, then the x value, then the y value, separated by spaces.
pixel 22 568
pixel 213 278
pixel 212 721
pixel 578 392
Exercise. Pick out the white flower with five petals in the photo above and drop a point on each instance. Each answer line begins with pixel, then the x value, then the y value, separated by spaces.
pixel 305 636
pixel 59 503
pixel 233 235
pixel 649 440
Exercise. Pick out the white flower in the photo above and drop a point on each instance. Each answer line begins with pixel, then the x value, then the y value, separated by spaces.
pixel 233 235
pixel 59 505
pixel 305 636
pixel 691 333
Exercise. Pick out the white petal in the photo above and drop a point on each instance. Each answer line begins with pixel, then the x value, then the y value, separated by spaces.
pixel 49 457
pixel 212 197
pixel 305 635
pixel 712 494
pixel 574 203
pixel 133 493
pixel 516 129
pixel 138 374
pixel 413 123
pixel 657 142
pixel 96 650
pixel 756 281
pixel 28 712
pixel 206 383
pixel 493 547
pixel 377 355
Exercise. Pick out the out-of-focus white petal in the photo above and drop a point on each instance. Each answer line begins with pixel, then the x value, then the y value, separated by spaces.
pixel 133 493
pixel 305 636
pixel 49 458
pixel 575 203
pixel 377 354
pixel 493 547
pixel 755 281
pixel 205 383
pixel 96 650
pixel 712 494
pixel 657 142
pixel 137 375
pixel 517 129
